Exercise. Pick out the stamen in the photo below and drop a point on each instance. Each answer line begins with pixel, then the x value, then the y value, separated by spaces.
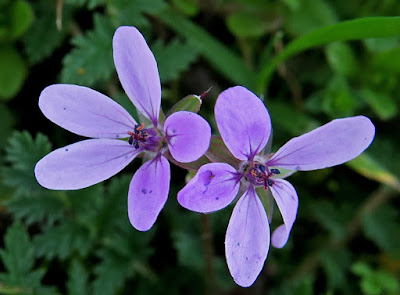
pixel 139 135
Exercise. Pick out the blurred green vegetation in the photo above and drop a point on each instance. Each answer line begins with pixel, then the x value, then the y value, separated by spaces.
pixel 310 60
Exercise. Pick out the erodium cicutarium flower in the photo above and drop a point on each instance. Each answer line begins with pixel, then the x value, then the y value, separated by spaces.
pixel 89 113
pixel 245 127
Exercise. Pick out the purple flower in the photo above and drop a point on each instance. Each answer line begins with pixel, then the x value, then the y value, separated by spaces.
pixel 245 127
pixel 89 113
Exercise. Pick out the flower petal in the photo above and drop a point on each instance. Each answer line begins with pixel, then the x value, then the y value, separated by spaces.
pixel 247 239
pixel 148 193
pixel 331 144
pixel 212 188
pixel 286 198
pixel 243 122
pixel 84 163
pixel 137 70
pixel 188 136
pixel 85 112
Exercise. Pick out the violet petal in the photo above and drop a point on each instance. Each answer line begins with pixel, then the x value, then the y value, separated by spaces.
pixel 286 198
pixel 148 193
pixel 212 188
pixel 247 239
pixel 331 144
pixel 84 163
pixel 188 136
pixel 137 70
pixel 243 122
pixel 85 112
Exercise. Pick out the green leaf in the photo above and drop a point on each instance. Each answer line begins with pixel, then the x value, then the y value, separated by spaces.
pixel 383 105
pixel 341 59
pixel 308 15
pixel 388 61
pixel 362 28
pixel 218 152
pixel 7 124
pixel 133 12
pixel 375 282
pixel 188 7
pixel 381 226
pixel 41 208
pixel 62 241
pixel 332 217
pixel 111 274
pixel 190 103
pixel 91 60
pixel 174 58
pixel 22 154
pixel 22 17
pixel 78 279
pixel 367 166
pixel 245 24
pixel 43 36
pixel 288 119
pixel 18 255
pixel 12 72
pixel 336 264
pixel 219 56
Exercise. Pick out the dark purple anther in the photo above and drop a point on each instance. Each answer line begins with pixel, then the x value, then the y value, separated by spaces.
pixel 275 171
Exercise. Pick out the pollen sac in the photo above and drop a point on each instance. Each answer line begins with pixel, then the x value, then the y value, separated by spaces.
pixel 259 174
pixel 139 135
pixel 275 171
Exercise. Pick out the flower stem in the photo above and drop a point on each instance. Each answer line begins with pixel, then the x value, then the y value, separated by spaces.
pixel 207 238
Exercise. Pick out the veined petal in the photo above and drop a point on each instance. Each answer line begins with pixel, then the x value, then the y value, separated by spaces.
pixel 213 187
pixel 84 163
pixel 137 70
pixel 331 144
pixel 188 136
pixel 85 112
pixel 286 198
pixel 148 193
pixel 247 239
pixel 243 122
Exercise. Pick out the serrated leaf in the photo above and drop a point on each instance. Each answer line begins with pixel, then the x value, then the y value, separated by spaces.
pixel 173 58
pixel 43 36
pixel 22 154
pixel 111 274
pixel 42 208
pixel 78 279
pixel 91 60
pixel 62 241
pixel 381 226
pixel 18 255
pixel 12 72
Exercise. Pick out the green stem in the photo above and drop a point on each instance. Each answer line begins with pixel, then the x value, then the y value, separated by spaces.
pixel 208 253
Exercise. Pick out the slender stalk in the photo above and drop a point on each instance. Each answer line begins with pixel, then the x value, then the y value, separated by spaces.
pixel 207 238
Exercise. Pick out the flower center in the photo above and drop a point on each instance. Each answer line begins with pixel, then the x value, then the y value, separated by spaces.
pixel 259 174
pixel 139 135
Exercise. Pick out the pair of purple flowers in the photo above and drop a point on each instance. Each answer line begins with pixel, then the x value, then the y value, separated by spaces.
pixel 244 125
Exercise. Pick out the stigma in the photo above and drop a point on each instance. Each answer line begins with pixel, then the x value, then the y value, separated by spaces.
pixel 259 174
pixel 138 136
